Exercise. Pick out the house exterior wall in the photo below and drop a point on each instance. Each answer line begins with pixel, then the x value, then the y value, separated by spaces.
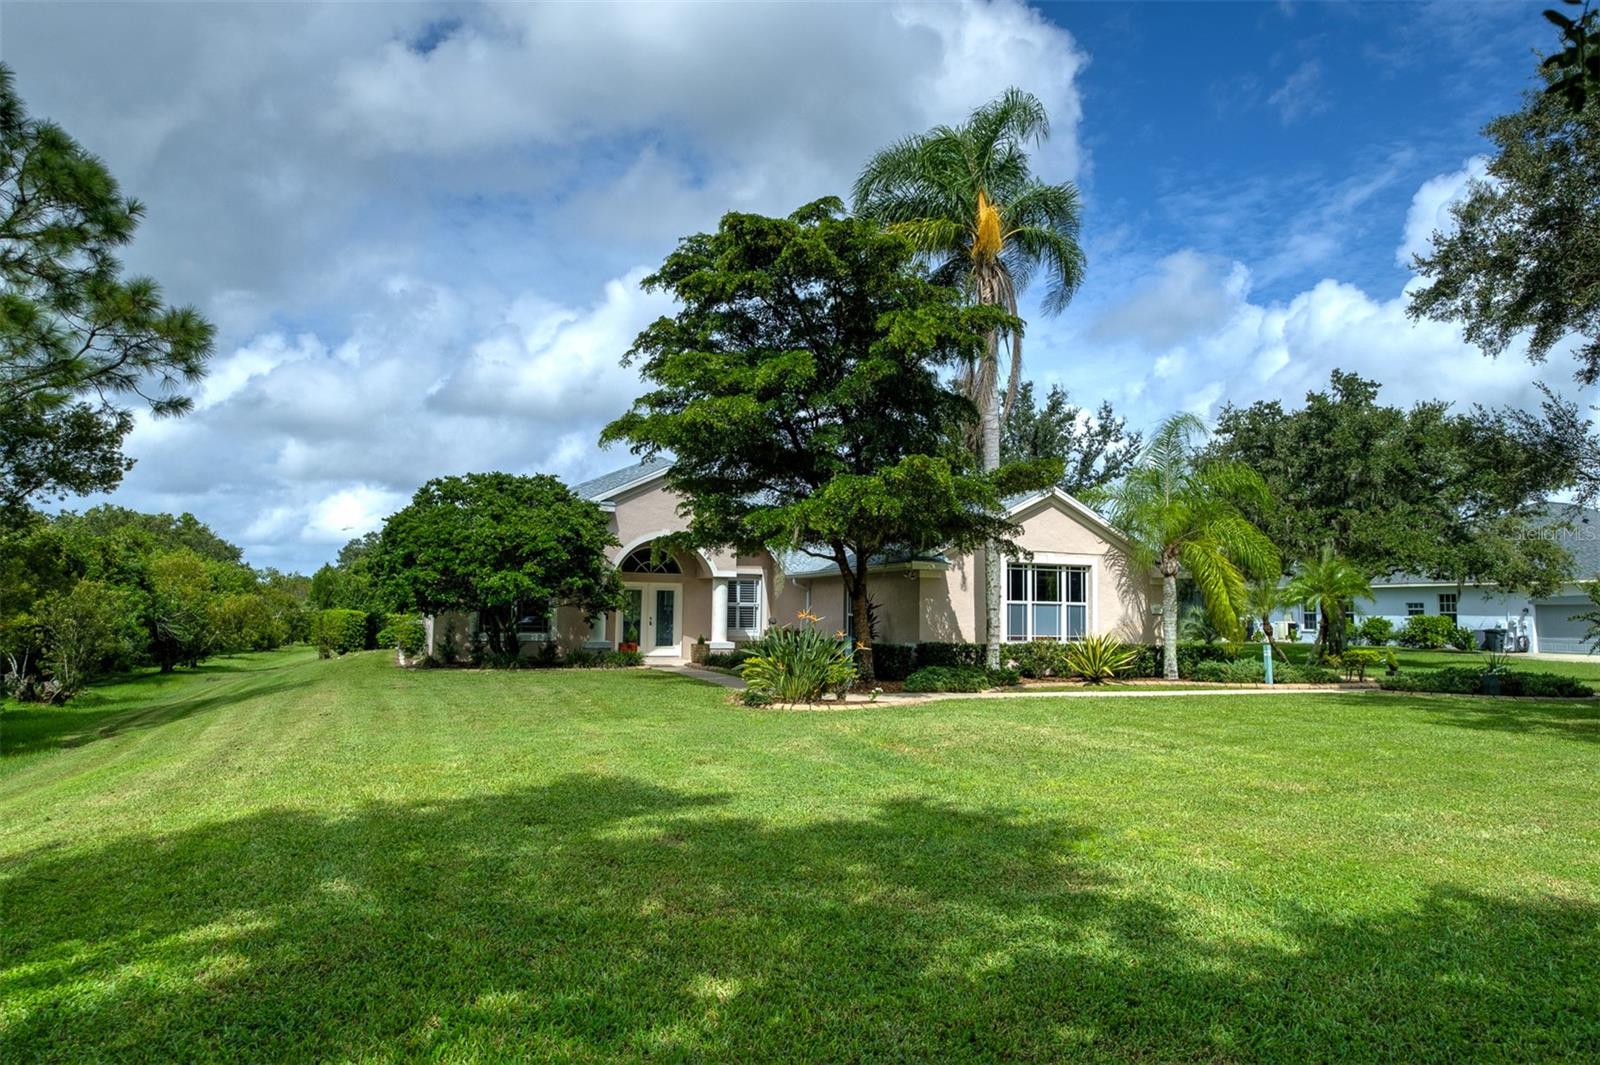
pixel 915 603
pixel 1121 593
pixel 1478 607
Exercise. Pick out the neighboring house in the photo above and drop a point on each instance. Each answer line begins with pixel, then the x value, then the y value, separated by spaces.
pixel 1545 624
pixel 1077 583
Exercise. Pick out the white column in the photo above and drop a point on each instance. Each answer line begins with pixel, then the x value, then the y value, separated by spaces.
pixel 719 613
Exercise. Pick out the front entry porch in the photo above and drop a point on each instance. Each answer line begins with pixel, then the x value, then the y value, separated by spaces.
pixel 674 600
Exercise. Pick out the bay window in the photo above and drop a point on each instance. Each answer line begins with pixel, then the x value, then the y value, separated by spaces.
pixel 1046 602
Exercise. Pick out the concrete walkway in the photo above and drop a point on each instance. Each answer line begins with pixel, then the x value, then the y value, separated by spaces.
pixel 1554 656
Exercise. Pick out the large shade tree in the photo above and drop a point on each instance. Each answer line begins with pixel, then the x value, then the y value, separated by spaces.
pixel 1094 447
pixel 79 342
pixel 1184 514
pixel 802 389
pixel 487 542
pixel 968 200
pixel 1451 496
pixel 1522 255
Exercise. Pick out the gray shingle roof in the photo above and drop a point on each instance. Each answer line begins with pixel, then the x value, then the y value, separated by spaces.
pixel 1578 530
pixel 604 486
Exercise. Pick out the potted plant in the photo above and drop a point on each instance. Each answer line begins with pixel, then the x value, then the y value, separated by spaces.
pixel 628 646
pixel 1496 668
pixel 700 651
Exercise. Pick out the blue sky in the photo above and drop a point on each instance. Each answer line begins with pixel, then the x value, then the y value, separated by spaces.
pixel 420 227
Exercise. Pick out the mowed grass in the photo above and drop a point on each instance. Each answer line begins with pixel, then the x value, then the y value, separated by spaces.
pixel 285 858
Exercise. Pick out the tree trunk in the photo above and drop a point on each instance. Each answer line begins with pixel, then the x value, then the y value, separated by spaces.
pixel 1169 622
pixel 863 631
pixel 1272 641
pixel 1333 640
pixel 989 414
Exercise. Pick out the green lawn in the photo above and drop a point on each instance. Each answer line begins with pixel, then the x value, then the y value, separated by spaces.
pixel 285 858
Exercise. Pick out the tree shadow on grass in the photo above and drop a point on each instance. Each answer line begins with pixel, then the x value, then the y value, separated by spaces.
pixel 1573 719
pixel 600 917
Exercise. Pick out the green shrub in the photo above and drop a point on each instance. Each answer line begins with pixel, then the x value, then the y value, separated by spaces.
pixel 1460 680
pixel 1037 658
pixel 339 632
pixel 1307 674
pixel 948 679
pixel 405 633
pixel 1147 661
pixel 798 665
pixel 893 661
pixel 960 679
pixel 1544 685
pixel 1356 661
pixel 1098 659
pixel 727 659
pixel 602 658
pixel 951 654
pixel 1462 639
pixel 1428 631
pixel 1252 671
pixel 1375 631
pixel 1004 677
pixel 1216 671
pixel 1454 680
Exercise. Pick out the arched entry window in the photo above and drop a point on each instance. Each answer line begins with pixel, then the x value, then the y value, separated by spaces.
pixel 639 560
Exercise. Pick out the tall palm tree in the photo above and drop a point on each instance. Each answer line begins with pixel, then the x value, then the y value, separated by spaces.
pixel 966 197
pixel 1328 584
pixel 1182 514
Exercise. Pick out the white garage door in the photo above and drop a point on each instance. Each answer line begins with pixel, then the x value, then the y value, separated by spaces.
pixel 1558 634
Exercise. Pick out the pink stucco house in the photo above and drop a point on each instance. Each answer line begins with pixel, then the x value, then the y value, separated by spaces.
pixel 1078 582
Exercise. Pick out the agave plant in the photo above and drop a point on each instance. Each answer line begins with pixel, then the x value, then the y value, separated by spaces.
pixel 798 665
pixel 1098 659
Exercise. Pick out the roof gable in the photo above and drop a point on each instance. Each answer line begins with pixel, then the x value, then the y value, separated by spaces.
pixel 1072 505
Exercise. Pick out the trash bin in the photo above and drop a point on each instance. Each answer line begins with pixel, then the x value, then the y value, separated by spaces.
pixel 1494 640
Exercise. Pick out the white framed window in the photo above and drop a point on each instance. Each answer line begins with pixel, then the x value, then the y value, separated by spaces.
pixel 536 620
pixel 1308 619
pixel 744 604
pixel 1046 602
pixel 1447 606
pixel 1415 610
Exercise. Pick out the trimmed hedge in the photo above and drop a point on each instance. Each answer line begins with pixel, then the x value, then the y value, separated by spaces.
pixel 1148 661
pixel 1462 680
pixel 728 659
pixel 339 632
pixel 893 661
pixel 1038 658
pixel 959 679
pixel 1251 671
pixel 970 655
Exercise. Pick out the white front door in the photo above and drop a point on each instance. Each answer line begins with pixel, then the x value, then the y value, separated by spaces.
pixel 652 617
